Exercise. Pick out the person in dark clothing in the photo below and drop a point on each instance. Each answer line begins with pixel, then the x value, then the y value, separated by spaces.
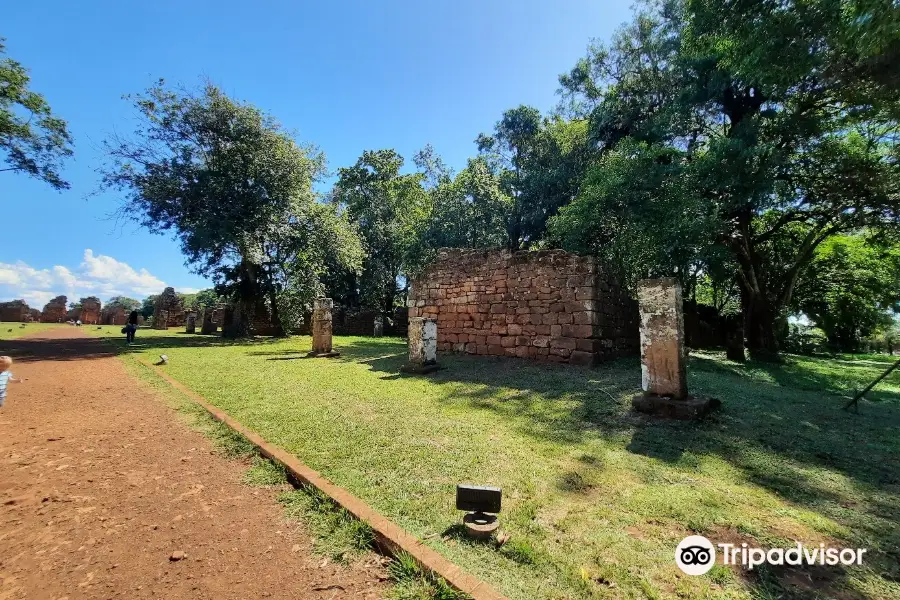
pixel 131 327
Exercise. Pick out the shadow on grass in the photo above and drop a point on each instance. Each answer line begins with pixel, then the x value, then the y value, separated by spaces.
pixel 781 426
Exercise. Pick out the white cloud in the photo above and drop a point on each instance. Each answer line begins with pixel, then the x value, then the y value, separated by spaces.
pixel 109 270
pixel 97 275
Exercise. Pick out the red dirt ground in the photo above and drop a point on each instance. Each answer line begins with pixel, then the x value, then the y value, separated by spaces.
pixel 100 483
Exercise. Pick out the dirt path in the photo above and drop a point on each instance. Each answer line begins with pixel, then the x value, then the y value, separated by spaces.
pixel 100 483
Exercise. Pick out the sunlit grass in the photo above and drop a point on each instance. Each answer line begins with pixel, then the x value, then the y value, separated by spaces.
pixel 595 498
pixel 10 331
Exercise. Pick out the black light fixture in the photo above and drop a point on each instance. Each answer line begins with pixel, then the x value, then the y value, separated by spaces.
pixel 482 504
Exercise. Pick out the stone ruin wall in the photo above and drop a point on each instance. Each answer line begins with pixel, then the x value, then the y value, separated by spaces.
pixel 547 305
pixel 168 310
pixel 55 311
pixel 113 315
pixel 17 310
pixel 90 312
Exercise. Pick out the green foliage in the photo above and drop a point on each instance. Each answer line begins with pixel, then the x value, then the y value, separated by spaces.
pixel 32 139
pixel 128 304
pixel 851 289
pixel 389 209
pixel 469 211
pixel 804 339
pixel 539 164
pixel 764 163
pixel 148 305
pixel 237 191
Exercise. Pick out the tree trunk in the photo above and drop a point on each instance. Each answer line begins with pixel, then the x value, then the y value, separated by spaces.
pixel 275 315
pixel 760 326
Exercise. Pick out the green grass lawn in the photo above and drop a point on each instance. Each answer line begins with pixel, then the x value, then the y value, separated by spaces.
pixel 596 498
pixel 29 329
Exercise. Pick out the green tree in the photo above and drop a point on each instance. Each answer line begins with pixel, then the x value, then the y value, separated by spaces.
pixel 127 304
pixel 539 163
pixel 234 187
pixel 749 154
pixel 851 289
pixel 390 209
pixel 32 139
pixel 148 305
pixel 468 211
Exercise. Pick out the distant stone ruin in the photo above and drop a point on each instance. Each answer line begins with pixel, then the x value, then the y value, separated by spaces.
pixel 113 315
pixel 55 311
pixel 15 311
pixel 90 311
pixel 547 305
pixel 168 310
pixel 211 319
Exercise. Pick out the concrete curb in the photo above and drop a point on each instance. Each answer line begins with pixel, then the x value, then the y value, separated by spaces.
pixel 389 535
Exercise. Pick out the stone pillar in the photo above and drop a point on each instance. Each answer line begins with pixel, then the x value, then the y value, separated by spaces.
pixel 663 368
pixel 422 346
pixel 379 326
pixel 208 325
pixel 191 323
pixel 662 338
pixel 321 328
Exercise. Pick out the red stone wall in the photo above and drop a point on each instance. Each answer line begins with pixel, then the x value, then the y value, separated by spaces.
pixel 548 305
pixel 90 312
pixel 55 311
pixel 114 315
pixel 16 310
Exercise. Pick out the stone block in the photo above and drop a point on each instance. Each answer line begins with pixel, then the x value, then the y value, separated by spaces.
pixel 422 340
pixel 663 371
pixel 321 328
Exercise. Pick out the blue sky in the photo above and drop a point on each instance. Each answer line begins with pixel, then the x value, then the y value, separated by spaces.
pixel 347 76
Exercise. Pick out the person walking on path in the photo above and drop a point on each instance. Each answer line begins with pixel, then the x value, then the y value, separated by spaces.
pixel 131 326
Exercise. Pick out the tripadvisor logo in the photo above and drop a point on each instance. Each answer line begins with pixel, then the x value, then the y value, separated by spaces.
pixel 696 555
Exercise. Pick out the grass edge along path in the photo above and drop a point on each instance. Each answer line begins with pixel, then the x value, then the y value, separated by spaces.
pixel 390 537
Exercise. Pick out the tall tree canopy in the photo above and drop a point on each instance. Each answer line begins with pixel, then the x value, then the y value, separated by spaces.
pixel 539 164
pixel 237 191
pixel 32 139
pixel 389 208
pixel 764 163
pixel 127 304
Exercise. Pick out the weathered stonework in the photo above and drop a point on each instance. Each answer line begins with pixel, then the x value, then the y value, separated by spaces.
pixel 423 344
pixel 16 311
pixel 90 311
pixel 548 305
pixel 378 326
pixel 210 320
pixel 663 370
pixel 113 315
pixel 168 310
pixel 55 311
pixel 321 328
pixel 190 325
pixel 663 367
